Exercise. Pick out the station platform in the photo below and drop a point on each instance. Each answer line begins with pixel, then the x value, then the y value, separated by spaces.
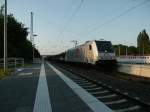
pixel 58 93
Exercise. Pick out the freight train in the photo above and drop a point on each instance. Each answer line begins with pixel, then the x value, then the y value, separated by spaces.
pixel 91 52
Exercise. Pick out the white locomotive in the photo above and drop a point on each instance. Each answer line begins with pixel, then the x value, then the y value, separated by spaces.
pixel 92 52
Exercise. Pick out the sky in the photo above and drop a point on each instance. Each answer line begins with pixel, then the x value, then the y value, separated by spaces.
pixel 58 22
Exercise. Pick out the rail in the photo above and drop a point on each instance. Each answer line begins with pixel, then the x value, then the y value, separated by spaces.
pixel 100 91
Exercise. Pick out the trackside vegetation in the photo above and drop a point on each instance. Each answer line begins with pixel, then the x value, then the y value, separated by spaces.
pixel 143 46
pixel 4 73
pixel 18 44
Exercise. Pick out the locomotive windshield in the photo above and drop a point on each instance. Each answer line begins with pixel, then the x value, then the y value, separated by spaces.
pixel 104 46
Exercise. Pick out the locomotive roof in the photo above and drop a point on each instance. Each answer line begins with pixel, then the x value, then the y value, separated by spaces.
pixel 97 41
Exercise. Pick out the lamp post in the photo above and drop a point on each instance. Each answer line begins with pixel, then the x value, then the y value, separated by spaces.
pixel 32 36
pixel 143 49
pixel 5 36
pixel 119 50
pixel 33 45
pixel 139 51
pixel 126 51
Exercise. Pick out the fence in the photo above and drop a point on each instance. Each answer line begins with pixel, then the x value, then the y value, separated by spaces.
pixel 134 59
pixel 37 60
pixel 12 62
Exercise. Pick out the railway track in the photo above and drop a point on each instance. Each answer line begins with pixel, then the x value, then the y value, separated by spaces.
pixel 113 98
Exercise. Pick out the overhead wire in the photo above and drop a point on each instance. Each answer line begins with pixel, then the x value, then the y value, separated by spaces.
pixel 119 8
pixel 75 33
pixel 103 24
pixel 118 16
pixel 70 19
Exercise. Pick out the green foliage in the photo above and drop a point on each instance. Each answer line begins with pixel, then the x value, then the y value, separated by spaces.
pixel 143 46
pixel 1 9
pixel 4 73
pixel 122 49
pixel 143 43
pixel 130 50
pixel 18 44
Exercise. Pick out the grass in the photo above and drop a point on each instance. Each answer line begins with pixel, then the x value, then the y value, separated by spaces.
pixel 11 69
pixel 4 73
pixel 27 64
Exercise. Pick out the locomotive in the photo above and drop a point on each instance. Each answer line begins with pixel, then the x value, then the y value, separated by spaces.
pixel 92 52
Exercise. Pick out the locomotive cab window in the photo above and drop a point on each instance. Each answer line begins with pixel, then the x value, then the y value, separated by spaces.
pixel 90 47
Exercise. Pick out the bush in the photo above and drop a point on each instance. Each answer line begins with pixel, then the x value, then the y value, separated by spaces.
pixel 4 73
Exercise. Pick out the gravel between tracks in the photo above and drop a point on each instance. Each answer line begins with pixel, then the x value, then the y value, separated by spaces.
pixel 125 83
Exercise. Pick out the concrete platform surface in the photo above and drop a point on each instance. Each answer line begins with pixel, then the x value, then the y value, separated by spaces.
pixel 66 96
pixel 43 88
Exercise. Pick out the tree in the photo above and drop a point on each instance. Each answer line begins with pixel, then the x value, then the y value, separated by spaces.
pixel 2 10
pixel 143 43
pixel 18 44
pixel 130 50
pixel 143 46
pixel 122 49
